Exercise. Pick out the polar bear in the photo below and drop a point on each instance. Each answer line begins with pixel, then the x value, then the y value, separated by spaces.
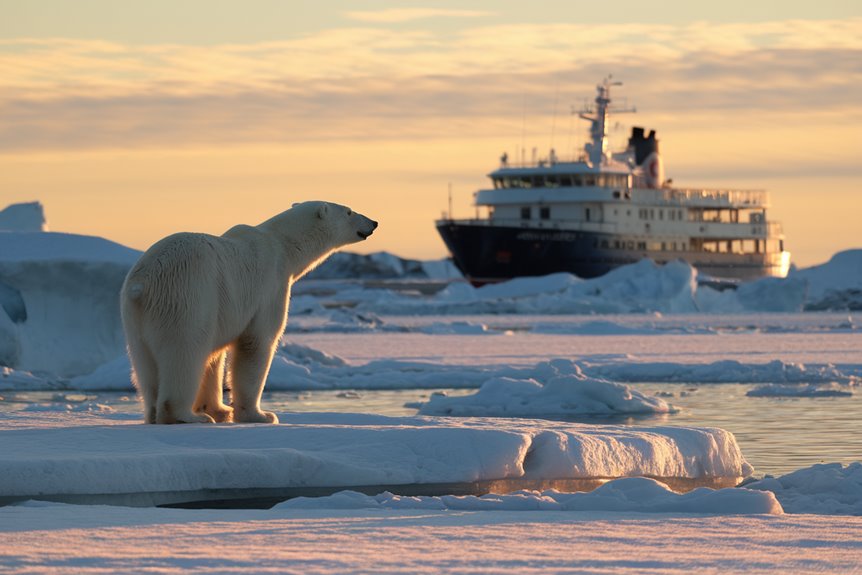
pixel 192 299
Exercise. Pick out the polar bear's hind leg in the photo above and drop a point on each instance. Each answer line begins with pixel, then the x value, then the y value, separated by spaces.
pixel 180 377
pixel 144 375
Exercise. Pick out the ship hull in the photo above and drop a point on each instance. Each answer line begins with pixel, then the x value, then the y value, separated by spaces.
pixel 486 254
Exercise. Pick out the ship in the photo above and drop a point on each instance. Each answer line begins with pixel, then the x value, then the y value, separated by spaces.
pixel 601 210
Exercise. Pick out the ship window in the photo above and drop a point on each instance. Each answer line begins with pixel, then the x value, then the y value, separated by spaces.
pixel 661 214
pixel 525 181
pixel 545 212
pixel 604 243
pixel 525 213
pixel 587 214
pixel 566 181
pixel 590 181
pixel 641 245
pixel 616 194
pixel 551 182
pixel 538 181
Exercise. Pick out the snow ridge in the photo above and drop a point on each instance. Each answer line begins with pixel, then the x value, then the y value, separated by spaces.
pixel 635 494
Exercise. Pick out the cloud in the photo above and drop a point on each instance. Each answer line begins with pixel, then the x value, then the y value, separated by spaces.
pixel 364 83
pixel 399 15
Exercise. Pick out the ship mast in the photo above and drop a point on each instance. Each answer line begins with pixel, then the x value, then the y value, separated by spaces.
pixel 599 117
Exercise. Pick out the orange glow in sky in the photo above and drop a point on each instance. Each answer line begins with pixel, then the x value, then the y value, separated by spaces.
pixel 132 121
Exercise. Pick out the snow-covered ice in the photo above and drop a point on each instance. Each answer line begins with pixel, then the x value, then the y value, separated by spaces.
pixel 24 217
pixel 725 371
pixel 799 390
pixel 298 367
pixel 47 538
pixel 68 285
pixel 834 283
pixel 331 450
pixel 567 394
pixel 635 494
pixel 827 489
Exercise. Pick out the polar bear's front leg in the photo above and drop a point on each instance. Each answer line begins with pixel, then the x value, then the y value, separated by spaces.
pixel 210 395
pixel 250 359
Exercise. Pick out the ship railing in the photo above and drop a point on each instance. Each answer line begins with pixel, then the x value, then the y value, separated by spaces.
pixel 706 197
pixel 693 228
pixel 545 162
pixel 537 225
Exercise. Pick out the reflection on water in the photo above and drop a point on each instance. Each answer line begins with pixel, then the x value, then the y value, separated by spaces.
pixel 777 435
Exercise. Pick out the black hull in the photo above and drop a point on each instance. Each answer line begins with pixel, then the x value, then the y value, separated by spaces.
pixel 487 254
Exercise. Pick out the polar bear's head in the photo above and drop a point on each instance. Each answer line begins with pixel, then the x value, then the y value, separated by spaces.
pixel 342 225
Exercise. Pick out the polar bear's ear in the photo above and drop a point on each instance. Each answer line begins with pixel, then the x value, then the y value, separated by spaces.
pixel 322 210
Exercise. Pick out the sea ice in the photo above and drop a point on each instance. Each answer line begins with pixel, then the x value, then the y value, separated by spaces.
pixel 634 494
pixel 799 390
pixel 568 394
pixel 824 489
pixel 345 450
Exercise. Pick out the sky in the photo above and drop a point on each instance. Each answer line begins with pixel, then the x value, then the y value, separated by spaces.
pixel 133 120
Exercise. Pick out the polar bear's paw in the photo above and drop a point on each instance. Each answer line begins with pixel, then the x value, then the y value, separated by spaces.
pixel 219 413
pixel 254 416
pixel 190 417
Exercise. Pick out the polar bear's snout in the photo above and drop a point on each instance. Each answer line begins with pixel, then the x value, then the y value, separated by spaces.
pixel 367 229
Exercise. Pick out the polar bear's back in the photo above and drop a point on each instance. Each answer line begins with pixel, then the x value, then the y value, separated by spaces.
pixel 189 274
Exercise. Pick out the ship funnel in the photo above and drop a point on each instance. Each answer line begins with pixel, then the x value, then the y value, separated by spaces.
pixel 647 157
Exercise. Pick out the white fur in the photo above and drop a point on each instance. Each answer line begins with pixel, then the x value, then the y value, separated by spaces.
pixel 193 299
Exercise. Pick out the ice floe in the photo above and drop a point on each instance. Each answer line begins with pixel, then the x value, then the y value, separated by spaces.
pixel 799 390
pixel 725 371
pixel 836 284
pixel 824 489
pixel 345 450
pixel 568 394
pixel 69 287
pixel 558 387
pixel 635 494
